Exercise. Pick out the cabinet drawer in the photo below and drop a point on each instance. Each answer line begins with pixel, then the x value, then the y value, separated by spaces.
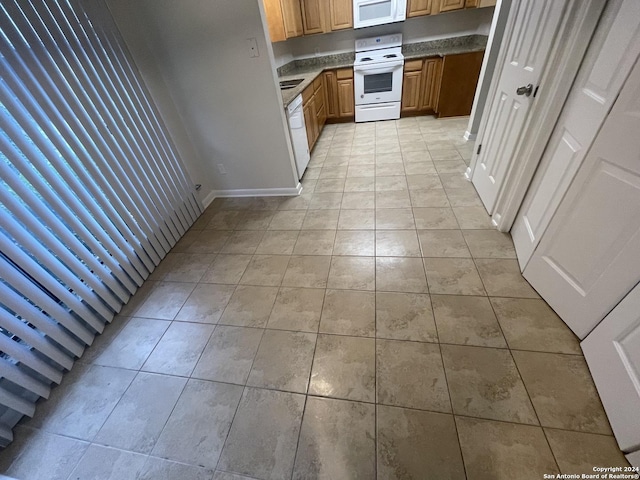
pixel 307 93
pixel 413 65
pixel 344 73
pixel 317 83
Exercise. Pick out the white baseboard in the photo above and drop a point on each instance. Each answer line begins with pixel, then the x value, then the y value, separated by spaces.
pixel 209 198
pixel 469 136
pixel 255 192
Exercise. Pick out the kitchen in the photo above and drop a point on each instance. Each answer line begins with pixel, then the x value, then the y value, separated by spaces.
pixel 387 76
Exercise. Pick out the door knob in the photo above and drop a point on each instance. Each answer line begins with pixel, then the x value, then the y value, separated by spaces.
pixel 525 90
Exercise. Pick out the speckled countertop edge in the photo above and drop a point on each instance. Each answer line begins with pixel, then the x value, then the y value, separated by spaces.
pixel 309 68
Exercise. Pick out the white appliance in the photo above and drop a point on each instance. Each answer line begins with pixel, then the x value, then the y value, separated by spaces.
pixel 298 132
pixel 378 78
pixel 367 13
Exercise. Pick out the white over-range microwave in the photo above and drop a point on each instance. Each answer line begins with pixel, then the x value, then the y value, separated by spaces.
pixel 367 13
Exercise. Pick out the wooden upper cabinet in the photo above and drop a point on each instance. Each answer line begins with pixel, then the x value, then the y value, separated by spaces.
pixel 275 22
pixel 340 14
pixel 486 3
pixel 470 3
pixel 415 8
pixel 449 5
pixel 431 76
pixel 314 16
pixel 292 18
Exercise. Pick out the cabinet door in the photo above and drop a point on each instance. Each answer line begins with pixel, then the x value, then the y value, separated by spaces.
pixel 486 3
pixel 431 75
pixel 275 22
pixel 292 17
pixel 314 16
pixel 309 123
pixel 411 91
pixel 341 14
pixel 449 5
pixel 346 101
pixel 470 3
pixel 415 8
pixel 460 75
pixel 331 94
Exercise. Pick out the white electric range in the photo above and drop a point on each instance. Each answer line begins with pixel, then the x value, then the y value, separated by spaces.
pixel 378 78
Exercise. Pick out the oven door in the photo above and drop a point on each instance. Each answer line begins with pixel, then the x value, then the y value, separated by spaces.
pixel 367 13
pixel 378 84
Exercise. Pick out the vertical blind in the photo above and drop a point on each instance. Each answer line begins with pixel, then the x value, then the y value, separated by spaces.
pixel 92 191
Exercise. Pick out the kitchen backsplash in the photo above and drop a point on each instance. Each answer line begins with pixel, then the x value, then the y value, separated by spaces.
pixel 302 64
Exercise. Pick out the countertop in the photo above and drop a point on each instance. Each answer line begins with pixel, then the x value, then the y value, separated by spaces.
pixel 309 68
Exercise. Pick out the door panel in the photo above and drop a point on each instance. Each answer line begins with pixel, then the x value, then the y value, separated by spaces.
pixel 313 16
pixel 534 29
pixel 341 14
pixel 431 74
pixel 614 48
pixel 411 91
pixel 588 258
pixel 612 351
pixel 416 8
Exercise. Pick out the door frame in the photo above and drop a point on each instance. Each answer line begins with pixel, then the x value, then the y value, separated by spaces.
pixel 578 24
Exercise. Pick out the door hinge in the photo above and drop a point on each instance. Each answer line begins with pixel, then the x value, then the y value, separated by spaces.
pixel 479 148
pixel 535 92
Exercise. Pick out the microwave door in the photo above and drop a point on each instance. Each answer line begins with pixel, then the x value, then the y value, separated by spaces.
pixel 372 12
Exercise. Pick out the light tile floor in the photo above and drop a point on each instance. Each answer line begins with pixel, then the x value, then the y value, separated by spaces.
pixel 373 327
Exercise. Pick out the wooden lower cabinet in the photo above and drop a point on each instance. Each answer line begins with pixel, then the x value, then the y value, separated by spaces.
pixel 411 91
pixel 346 101
pixel 331 94
pixel 310 122
pixel 421 86
pixel 445 86
pixel 459 80
pixel 431 76
pixel 339 100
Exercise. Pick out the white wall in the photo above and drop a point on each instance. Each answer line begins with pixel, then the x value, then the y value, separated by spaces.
pixel 417 29
pixel 228 102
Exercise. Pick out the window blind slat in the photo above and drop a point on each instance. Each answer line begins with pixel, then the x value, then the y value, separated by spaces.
pixel 16 403
pixel 34 339
pixel 29 290
pixel 77 227
pixel 14 374
pixel 100 279
pixel 42 322
pixel 33 268
pixel 23 354
pixel 33 247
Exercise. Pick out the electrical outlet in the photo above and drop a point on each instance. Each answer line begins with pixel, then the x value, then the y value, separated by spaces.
pixel 252 44
pixel 316 51
pixel 221 169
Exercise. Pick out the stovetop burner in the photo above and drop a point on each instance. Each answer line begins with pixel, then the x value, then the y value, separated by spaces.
pixel 366 59
pixel 392 55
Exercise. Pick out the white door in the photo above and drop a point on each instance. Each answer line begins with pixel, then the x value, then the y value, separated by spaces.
pixel 611 55
pixel 533 30
pixel 589 257
pixel 612 351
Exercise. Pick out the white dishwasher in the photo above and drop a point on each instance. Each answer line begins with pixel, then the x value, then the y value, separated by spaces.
pixel 298 131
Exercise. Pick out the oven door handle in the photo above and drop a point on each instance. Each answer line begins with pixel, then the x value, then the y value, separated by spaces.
pixel 373 71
